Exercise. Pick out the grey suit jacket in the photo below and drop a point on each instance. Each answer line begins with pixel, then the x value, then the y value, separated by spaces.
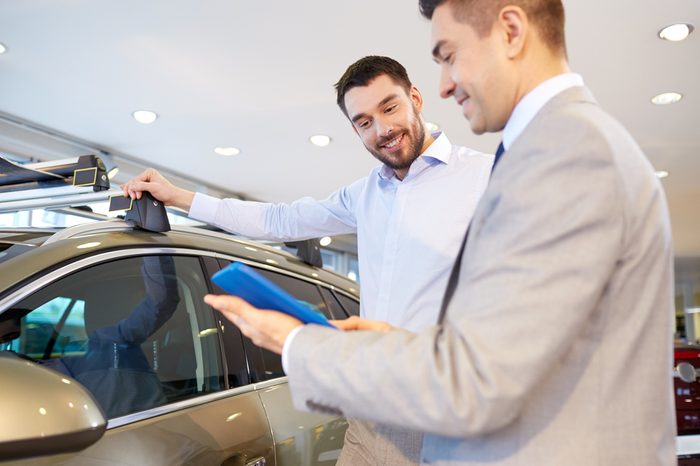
pixel 556 347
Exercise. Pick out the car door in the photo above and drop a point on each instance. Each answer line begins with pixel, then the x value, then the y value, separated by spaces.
pixel 301 438
pixel 132 327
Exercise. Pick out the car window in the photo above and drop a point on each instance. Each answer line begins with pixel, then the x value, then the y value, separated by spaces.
pixel 133 331
pixel 352 307
pixel 302 290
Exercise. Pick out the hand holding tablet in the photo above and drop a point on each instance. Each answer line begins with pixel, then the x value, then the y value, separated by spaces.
pixel 244 282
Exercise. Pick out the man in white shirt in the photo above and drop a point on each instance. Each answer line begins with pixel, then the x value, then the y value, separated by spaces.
pixel 409 215
pixel 564 282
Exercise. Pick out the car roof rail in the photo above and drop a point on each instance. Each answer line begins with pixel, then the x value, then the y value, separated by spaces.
pixel 63 182
pixel 90 228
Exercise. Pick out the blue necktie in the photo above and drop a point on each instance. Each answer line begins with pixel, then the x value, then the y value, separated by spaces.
pixel 454 276
pixel 499 152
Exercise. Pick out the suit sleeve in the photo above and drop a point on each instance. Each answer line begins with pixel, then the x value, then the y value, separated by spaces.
pixel 536 264
pixel 302 219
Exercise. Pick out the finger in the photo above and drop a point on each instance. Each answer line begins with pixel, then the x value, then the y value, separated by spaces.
pixel 141 185
pixel 230 305
pixel 146 175
pixel 346 324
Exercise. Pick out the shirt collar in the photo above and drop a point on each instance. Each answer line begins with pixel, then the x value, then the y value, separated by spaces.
pixel 438 151
pixel 533 101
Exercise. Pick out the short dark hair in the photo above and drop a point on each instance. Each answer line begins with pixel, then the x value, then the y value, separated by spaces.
pixel 547 15
pixel 364 70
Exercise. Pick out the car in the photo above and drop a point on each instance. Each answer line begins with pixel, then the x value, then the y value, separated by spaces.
pixel 114 358
pixel 686 387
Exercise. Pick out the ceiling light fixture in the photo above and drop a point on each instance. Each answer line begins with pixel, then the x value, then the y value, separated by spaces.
pixel 3 49
pixel 145 117
pixel 227 151
pixel 666 98
pixel 432 127
pixel 661 173
pixel 676 32
pixel 320 140
pixel 325 241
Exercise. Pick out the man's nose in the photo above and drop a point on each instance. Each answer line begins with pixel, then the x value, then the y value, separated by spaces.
pixel 384 128
pixel 447 86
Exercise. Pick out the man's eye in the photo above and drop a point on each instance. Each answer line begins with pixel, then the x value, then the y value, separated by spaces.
pixel 390 108
pixel 364 124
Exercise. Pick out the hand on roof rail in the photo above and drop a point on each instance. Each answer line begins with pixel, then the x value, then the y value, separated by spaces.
pixel 160 188
pixel 149 214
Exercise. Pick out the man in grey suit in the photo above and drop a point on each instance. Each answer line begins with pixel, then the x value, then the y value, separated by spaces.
pixel 554 344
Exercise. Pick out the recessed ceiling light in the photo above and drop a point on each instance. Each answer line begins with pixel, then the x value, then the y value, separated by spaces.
pixel 661 173
pixel 676 32
pixel 227 151
pixel 145 117
pixel 3 49
pixel 320 140
pixel 666 98
pixel 432 127
pixel 325 241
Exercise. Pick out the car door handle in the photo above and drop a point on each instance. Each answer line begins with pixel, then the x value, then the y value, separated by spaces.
pixel 256 462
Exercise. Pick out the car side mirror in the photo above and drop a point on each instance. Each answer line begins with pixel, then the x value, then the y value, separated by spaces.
pixel 44 412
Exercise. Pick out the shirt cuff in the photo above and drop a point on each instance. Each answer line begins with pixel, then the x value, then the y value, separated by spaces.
pixel 287 344
pixel 204 208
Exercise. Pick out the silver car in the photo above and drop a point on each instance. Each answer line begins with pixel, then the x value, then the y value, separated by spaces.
pixel 109 356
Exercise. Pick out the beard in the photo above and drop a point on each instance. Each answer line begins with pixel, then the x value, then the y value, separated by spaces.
pixel 415 135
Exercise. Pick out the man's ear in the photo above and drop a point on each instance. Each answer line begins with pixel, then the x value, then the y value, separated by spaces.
pixel 513 26
pixel 416 98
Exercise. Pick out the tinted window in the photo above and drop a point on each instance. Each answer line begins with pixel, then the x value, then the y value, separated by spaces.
pixel 134 331
pixel 300 289
pixel 351 306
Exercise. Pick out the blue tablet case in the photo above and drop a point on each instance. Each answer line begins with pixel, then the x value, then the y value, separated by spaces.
pixel 244 282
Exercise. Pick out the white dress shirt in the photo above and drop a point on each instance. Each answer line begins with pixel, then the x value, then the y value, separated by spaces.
pixel 408 231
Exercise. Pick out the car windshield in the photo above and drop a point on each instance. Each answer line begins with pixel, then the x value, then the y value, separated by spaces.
pixel 14 243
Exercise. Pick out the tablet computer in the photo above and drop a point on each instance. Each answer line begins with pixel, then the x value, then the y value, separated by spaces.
pixel 244 282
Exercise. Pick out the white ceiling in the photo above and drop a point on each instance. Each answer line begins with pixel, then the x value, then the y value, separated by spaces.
pixel 260 75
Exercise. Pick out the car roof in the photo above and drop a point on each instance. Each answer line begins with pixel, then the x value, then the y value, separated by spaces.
pixel 47 249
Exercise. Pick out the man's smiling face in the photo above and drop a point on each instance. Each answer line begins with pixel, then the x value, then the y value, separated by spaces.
pixel 387 119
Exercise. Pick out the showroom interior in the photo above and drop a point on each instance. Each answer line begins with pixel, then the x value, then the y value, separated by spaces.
pixel 237 100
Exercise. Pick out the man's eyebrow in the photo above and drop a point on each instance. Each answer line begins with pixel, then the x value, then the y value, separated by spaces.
pixel 384 101
pixel 436 50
